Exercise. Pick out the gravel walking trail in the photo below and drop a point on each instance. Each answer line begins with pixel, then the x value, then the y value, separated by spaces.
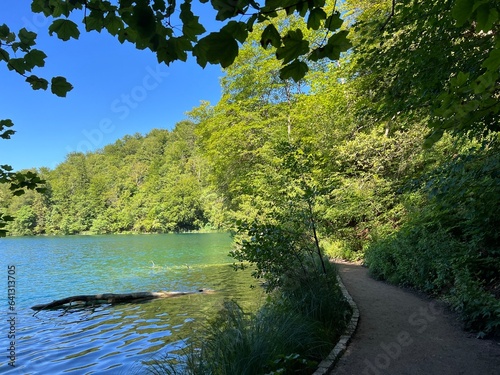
pixel 401 333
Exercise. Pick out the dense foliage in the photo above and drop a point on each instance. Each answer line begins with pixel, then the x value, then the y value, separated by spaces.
pixel 153 183
pixel 450 242
pixel 329 160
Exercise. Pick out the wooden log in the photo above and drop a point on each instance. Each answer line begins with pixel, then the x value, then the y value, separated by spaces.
pixel 95 299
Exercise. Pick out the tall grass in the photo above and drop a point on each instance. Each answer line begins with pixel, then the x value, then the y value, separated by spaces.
pixel 290 334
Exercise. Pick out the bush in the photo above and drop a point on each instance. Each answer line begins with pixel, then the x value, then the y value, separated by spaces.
pixel 450 245
pixel 290 334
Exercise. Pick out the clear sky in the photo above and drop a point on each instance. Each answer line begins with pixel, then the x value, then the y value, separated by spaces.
pixel 118 90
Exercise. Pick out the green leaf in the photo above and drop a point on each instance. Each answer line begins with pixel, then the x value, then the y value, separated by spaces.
pixel 333 22
pixel 273 5
pixel 60 87
pixel 65 29
pixel 340 41
pixel 4 55
pixel 295 70
pixel 236 29
pixel 486 18
pixel 251 22
pixel 37 83
pixel 191 27
pixel 113 23
pixel 462 10
pixel 270 36
pixel 27 38
pixel 315 17
pixel 60 8
pixel 492 62
pixel 216 48
pixel 433 137
pixel 160 5
pixel 460 80
pixel 4 31
pixel 173 49
pixel 41 6
pixel 5 124
pixel 228 9
pixel 7 134
pixel 18 65
pixel 127 34
pixel 94 21
pixel 336 44
pixel 143 20
pixel 34 58
pixel 293 46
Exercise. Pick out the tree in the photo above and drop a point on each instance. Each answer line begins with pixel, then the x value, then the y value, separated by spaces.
pixel 151 24
pixel 430 59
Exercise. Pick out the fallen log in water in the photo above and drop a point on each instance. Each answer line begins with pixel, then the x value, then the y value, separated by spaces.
pixel 95 299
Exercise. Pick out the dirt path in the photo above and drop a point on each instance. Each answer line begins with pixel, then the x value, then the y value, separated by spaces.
pixel 400 333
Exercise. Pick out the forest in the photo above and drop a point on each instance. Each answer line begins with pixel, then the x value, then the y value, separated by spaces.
pixel 389 155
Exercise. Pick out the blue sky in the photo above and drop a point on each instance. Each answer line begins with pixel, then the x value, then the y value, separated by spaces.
pixel 118 90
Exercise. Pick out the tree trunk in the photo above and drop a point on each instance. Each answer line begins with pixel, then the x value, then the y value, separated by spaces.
pixel 95 299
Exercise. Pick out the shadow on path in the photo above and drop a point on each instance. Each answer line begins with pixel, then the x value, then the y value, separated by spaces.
pixel 400 333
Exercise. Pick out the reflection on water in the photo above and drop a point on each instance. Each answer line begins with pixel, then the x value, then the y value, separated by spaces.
pixel 115 339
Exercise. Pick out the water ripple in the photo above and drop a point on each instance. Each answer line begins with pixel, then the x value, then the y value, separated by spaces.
pixel 118 339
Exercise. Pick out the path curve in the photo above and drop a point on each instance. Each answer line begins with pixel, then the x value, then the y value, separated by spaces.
pixel 400 333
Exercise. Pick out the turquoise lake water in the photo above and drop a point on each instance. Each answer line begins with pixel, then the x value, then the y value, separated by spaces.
pixel 119 339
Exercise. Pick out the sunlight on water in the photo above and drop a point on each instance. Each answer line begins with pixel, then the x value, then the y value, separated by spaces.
pixel 114 339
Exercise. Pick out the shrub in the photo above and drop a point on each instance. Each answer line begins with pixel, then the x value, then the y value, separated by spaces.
pixel 450 244
pixel 290 334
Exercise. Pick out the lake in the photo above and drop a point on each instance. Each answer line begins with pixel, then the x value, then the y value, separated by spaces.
pixel 119 339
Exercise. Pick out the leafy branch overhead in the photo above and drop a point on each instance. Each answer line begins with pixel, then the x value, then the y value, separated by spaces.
pixel 26 58
pixel 154 25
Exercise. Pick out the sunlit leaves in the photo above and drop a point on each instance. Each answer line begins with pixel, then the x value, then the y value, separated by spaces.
pixel 65 29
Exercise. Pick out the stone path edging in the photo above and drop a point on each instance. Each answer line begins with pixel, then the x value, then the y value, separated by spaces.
pixel 329 362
